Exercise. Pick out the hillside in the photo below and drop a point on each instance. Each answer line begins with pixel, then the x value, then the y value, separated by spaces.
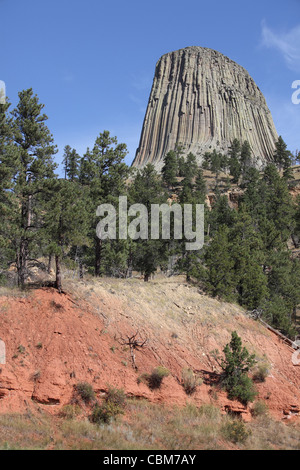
pixel 53 341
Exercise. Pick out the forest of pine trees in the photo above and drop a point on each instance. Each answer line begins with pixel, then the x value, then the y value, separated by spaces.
pixel 245 257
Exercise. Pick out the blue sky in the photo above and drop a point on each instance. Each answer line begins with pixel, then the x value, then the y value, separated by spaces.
pixel 92 62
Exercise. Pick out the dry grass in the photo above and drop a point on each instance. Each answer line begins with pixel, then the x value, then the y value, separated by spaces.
pixel 148 426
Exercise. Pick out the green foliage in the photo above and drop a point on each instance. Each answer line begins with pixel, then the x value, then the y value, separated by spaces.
pixel 236 431
pixel 219 278
pixel 85 391
pixel 71 161
pixel 282 156
pixel 154 380
pixel 234 164
pixel 236 364
pixel 112 406
pixel 147 189
pixel 170 169
pixel 216 162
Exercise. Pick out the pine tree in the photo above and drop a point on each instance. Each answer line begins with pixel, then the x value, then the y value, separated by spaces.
pixel 104 171
pixel 8 203
pixel 170 169
pixel 236 365
pixel 65 222
pixel 33 151
pixel 245 156
pixel 282 156
pixel 234 163
pixel 219 279
pixel 200 189
pixel 147 189
pixel 248 256
pixel 71 163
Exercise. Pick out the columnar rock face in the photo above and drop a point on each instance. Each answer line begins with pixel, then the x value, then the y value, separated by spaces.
pixel 202 100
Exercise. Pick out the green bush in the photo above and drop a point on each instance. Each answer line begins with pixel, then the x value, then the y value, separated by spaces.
pixel 85 391
pixel 236 366
pixel 112 406
pixel 236 431
pixel 240 388
pixel 116 396
pixel 154 380
pixel 105 413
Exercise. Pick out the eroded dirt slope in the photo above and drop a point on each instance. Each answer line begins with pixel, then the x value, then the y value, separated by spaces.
pixel 54 341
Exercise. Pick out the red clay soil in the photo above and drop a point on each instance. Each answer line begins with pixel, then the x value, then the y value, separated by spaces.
pixel 53 342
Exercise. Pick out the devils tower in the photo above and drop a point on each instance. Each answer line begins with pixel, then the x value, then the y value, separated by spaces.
pixel 202 100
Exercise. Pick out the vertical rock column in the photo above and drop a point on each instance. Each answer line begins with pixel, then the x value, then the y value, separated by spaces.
pixel 203 100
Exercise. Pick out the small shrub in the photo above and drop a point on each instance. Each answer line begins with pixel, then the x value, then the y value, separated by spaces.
pixel 236 431
pixel 190 381
pixel 116 396
pixel 39 346
pixel 154 380
pixel 85 391
pixel 259 408
pixel 105 413
pixel 261 373
pixel 21 349
pixel 112 406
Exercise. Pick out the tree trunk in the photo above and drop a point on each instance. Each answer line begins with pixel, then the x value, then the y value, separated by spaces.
pixel 146 277
pixel 98 250
pixel 129 265
pixel 49 264
pixel 58 274
pixel 80 268
pixel 22 262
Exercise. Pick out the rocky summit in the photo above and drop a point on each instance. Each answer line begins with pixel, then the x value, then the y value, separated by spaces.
pixel 203 100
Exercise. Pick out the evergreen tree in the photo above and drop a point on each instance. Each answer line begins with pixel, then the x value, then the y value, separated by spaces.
pixel 236 365
pixel 33 152
pixel 8 203
pixel 282 156
pixel 65 222
pixel 200 189
pixel 221 214
pixel 219 277
pixel 170 169
pixel 104 171
pixel 147 189
pixel 248 256
pixel 234 163
pixel 71 163
pixel 189 172
pixel 216 162
pixel 245 156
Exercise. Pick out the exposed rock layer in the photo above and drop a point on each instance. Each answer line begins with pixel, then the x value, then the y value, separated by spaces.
pixel 203 100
